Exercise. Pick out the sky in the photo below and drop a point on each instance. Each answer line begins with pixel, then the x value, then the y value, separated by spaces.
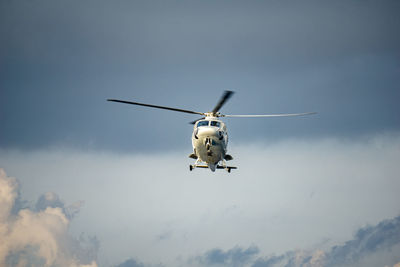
pixel 107 184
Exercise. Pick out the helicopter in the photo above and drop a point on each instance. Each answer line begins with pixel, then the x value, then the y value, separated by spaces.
pixel 210 136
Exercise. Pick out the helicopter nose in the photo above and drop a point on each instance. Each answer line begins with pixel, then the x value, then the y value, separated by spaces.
pixel 207 131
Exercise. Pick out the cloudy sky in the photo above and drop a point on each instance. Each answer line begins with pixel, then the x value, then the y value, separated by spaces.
pixel 108 184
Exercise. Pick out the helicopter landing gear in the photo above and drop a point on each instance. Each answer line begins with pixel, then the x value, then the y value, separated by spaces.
pixel 197 165
pixel 227 168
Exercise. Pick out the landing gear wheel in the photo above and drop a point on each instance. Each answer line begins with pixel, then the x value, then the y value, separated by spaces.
pixel 191 167
pixel 229 170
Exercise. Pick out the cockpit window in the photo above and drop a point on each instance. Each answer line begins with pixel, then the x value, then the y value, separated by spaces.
pixel 215 123
pixel 202 123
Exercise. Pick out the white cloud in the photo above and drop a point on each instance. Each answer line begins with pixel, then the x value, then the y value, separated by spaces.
pixel 7 195
pixel 41 236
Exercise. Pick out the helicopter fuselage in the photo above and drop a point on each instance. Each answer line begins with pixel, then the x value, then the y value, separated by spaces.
pixel 210 141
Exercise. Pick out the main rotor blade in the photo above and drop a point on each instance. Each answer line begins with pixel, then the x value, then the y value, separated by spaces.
pixel 224 98
pixel 154 106
pixel 270 115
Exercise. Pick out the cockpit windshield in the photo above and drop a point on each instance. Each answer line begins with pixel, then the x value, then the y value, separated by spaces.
pixel 209 123
pixel 215 123
pixel 202 123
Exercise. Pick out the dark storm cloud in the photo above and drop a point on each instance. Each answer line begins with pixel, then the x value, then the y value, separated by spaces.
pixel 61 60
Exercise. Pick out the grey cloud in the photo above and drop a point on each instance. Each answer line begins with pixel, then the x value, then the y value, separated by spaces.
pixel 236 256
pixel 368 240
pixel 27 257
pixel 293 259
pixel 366 249
pixel 51 199
pixel 268 262
pixel 165 235
pixel 19 203
pixel 86 247
pixel 131 263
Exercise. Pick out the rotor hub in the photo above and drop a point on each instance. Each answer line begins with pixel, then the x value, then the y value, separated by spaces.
pixel 213 114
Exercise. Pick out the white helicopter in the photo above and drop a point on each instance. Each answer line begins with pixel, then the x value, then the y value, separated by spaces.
pixel 210 136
